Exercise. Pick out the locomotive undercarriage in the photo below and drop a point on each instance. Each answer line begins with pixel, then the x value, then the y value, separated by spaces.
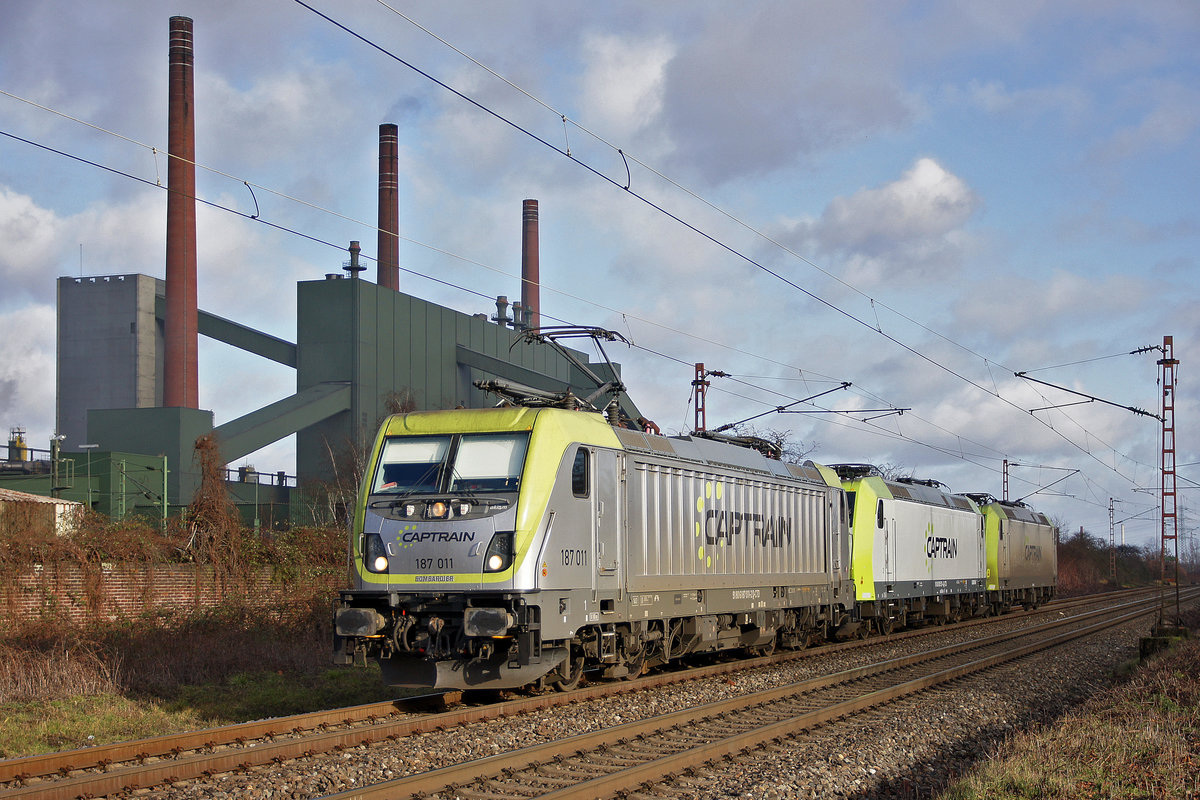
pixel 445 641
pixel 885 616
pixel 464 642
pixel 627 649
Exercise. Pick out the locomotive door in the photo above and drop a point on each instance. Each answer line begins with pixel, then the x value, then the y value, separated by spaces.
pixel 1004 547
pixel 888 527
pixel 608 518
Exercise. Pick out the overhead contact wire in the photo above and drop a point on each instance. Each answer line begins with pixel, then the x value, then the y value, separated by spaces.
pixel 709 237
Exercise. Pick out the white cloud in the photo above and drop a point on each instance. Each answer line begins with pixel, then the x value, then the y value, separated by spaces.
pixel 996 97
pixel 29 235
pixel 622 86
pixel 278 114
pixel 1022 307
pixel 37 245
pixel 761 89
pixel 912 229
pixel 1171 120
pixel 27 370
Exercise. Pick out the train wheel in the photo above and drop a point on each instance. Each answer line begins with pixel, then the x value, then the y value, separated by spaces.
pixel 575 672
pixel 762 650
pixel 636 662
pixel 886 626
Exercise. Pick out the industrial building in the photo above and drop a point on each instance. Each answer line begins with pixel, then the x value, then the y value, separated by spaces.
pixel 127 362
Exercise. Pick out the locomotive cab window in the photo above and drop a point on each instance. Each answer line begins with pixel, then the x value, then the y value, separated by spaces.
pixel 411 464
pixel 488 463
pixel 460 463
pixel 579 473
pixel 879 515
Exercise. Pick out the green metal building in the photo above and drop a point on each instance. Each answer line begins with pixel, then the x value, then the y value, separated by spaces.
pixel 361 351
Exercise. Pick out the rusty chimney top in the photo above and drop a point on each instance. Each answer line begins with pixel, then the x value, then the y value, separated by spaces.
pixel 389 208
pixel 180 370
pixel 530 280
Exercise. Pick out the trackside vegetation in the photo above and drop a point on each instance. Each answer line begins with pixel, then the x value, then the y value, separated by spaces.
pixel 67 684
pixel 1139 739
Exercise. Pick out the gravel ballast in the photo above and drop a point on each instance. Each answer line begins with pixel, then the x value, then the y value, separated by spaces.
pixel 909 749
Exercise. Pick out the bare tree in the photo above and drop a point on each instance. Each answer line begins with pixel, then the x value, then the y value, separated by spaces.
pixel 894 472
pixel 794 452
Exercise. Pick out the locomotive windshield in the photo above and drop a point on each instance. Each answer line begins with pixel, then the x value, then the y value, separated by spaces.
pixel 475 462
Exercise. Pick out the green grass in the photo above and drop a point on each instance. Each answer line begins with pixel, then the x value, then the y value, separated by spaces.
pixel 72 722
pixel 64 686
pixel 40 726
pixel 257 695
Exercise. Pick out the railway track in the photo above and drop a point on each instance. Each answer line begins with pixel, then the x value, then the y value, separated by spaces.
pixel 623 758
pixel 170 759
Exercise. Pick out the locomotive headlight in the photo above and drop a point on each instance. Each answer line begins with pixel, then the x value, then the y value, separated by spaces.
pixel 462 507
pixel 438 510
pixel 499 554
pixel 410 509
pixel 374 554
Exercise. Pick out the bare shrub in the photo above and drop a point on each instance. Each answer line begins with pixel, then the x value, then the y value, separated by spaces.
pixel 214 528
pixel 26 536
pixel 161 652
pixel 44 669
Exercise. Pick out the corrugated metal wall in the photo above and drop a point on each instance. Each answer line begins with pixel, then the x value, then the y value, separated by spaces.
pixel 737 531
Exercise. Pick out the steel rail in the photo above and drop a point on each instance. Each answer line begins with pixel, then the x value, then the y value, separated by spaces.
pixel 654 771
pixel 172 745
pixel 375 720
pixel 494 767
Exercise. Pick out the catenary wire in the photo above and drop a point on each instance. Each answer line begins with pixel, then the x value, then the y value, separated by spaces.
pixel 155 150
pixel 719 243
pixel 285 229
pixel 449 284
pixel 874 302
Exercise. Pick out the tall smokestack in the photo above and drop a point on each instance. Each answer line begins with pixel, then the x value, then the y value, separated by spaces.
pixel 180 371
pixel 530 280
pixel 389 208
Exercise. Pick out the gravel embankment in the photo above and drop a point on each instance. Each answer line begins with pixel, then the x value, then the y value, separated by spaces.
pixel 916 747
pixel 907 750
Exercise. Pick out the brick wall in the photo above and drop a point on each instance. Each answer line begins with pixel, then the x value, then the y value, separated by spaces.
pixel 110 591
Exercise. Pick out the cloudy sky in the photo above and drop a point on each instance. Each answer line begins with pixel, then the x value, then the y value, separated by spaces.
pixel 917 198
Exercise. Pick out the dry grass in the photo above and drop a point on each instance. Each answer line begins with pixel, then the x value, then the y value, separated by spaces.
pixel 61 668
pixel 71 686
pixel 156 653
pixel 1140 739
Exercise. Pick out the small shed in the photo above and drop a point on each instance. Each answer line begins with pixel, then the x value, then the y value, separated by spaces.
pixel 35 510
